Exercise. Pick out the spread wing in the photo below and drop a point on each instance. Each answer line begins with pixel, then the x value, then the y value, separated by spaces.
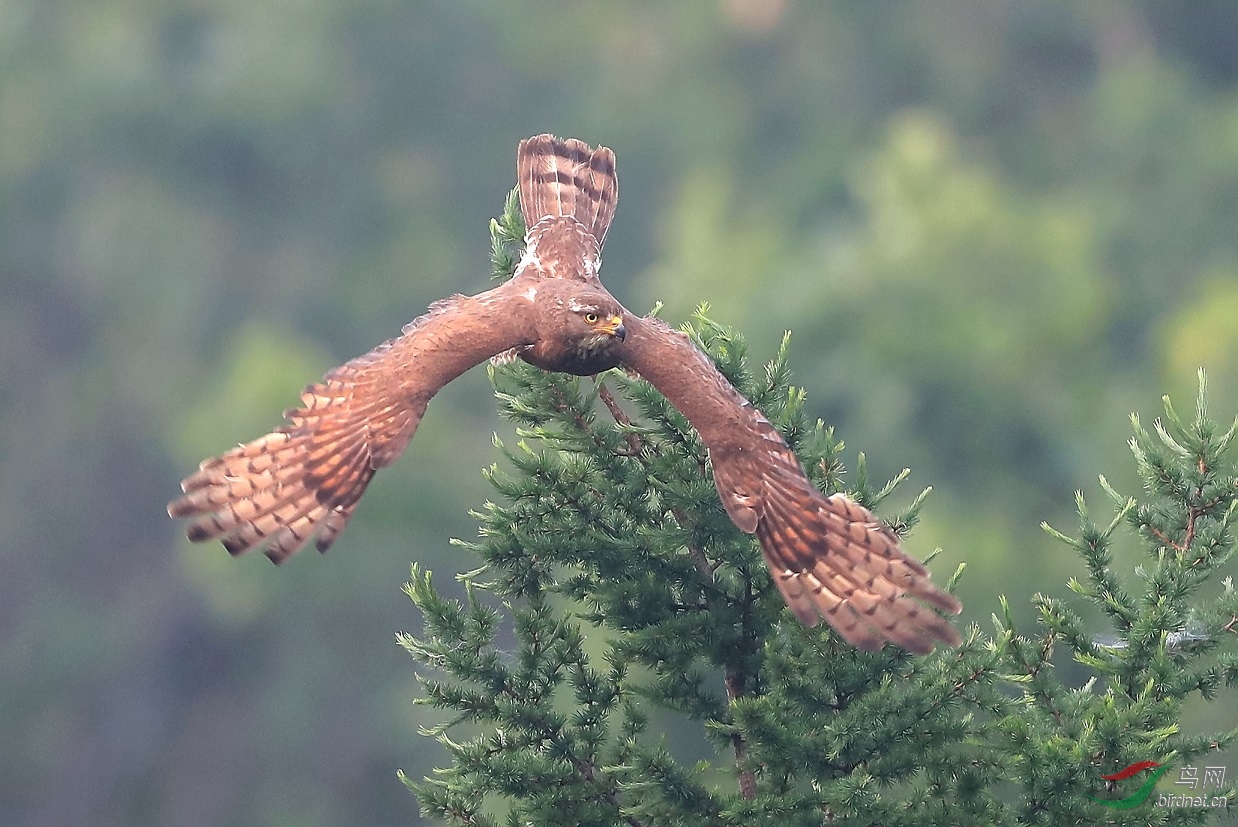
pixel 304 479
pixel 829 556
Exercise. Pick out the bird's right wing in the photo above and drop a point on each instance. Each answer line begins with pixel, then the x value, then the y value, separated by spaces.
pixel 304 479
pixel 829 556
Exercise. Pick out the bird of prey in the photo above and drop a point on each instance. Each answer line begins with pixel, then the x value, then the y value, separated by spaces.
pixel 830 557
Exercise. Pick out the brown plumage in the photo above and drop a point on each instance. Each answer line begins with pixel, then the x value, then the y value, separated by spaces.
pixel 305 478
pixel 829 557
pixel 567 177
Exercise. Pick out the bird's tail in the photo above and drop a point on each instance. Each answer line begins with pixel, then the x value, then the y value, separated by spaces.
pixel 567 177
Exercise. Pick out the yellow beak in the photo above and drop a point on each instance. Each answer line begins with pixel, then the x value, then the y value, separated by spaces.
pixel 613 326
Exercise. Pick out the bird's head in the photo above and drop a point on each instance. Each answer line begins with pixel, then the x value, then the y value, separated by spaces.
pixel 594 323
pixel 580 328
pixel 593 326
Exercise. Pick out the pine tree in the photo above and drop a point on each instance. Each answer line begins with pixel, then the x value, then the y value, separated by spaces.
pixel 1168 640
pixel 631 597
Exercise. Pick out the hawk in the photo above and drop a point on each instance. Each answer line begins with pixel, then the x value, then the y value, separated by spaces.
pixel 829 556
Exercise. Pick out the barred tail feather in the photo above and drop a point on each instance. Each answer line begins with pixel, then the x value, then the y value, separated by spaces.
pixel 567 177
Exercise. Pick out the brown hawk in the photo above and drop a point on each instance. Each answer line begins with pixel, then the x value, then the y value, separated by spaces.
pixel 829 556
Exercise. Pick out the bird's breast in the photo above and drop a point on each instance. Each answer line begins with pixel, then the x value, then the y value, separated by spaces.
pixel 581 357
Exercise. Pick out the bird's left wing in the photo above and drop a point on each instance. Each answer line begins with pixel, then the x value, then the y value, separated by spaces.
pixel 829 556
pixel 304 479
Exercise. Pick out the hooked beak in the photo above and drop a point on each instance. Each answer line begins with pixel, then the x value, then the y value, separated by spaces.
pixel 614 326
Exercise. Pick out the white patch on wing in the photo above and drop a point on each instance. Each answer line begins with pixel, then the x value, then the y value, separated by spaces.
pixel 530 294
pixel 591 267
pixel 529 259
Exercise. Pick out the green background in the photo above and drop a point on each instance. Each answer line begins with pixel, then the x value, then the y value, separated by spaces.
pixel 996 228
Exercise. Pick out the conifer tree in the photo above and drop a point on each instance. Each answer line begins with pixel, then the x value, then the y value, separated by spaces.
pixel 1170 638
pixel 633 600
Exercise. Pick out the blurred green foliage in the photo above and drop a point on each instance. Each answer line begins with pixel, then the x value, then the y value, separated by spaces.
pixel 995 227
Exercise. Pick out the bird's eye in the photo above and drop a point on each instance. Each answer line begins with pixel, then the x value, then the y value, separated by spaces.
pixel 591 318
